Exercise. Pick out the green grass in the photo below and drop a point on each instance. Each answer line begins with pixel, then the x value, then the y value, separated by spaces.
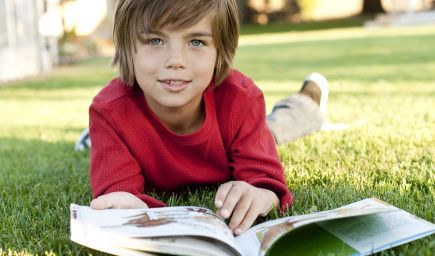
pixel 382 85
pixel 254 29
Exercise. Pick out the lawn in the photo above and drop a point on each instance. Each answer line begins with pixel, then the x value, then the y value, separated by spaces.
pixel 382 86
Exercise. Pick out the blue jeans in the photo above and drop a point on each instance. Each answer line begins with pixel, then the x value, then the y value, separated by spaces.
pixel 293 117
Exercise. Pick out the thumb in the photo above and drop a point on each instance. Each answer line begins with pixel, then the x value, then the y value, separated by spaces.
pixel 100 203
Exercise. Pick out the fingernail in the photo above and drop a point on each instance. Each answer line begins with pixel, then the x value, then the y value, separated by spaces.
pixel 225 213
pixel 238 231
pixel 219 204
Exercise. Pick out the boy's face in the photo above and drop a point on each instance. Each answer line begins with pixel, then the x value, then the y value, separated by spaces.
pixel 173 68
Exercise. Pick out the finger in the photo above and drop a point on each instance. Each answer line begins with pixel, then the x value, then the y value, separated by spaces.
pixel 233 196
pixel 126 200
pixel 100 203
pixel 247 222
pixel 133 203
pixel 240 211
pixel 221 194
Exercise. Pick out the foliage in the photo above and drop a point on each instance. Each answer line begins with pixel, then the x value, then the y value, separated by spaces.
pixel 381 85
pixel 307 7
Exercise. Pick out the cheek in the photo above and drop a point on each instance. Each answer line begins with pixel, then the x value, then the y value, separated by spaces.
pixel 205 70
pixel 144 66
pixel 206 65
pixel 145 59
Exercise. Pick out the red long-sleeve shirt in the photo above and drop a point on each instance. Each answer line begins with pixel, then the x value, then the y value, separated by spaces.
pixel 132 150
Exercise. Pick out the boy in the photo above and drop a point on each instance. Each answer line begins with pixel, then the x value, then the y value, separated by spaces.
pixel 179 115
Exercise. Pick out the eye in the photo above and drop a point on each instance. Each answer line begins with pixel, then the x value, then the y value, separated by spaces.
pixel 196 43
pixel 155 41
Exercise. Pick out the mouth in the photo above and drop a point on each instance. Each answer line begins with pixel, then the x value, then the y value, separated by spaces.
pixel 174 85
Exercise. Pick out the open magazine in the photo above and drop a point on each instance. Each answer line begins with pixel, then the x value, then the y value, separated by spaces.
pixel 360 228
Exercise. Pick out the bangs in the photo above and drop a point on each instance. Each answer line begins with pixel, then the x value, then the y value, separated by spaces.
pixel 174 15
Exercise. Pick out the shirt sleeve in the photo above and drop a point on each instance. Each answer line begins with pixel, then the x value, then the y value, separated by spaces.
pixel 112 167
pixel 253 155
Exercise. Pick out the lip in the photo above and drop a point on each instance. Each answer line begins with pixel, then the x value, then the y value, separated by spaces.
pixel 174 85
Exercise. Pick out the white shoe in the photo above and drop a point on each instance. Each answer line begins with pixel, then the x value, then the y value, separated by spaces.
pixel 84 141
pixel 323 84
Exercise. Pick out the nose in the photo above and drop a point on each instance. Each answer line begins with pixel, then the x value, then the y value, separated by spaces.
pixel 175 58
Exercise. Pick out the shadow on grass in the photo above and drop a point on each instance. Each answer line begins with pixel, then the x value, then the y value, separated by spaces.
pixel 355 21
pixel 39 180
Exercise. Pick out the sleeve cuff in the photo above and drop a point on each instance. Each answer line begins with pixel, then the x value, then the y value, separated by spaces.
pixel 151 201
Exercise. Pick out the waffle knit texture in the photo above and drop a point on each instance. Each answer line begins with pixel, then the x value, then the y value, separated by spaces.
pixel 133 151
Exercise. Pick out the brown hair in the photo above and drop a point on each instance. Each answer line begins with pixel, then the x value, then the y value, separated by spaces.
pixel 134 16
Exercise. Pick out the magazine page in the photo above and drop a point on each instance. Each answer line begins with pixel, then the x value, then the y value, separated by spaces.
pixel 105 246
pixel 124 224
pixel 358 235
pixel 260 237
pixel 174 245
pixel 182 245
pixel 374 233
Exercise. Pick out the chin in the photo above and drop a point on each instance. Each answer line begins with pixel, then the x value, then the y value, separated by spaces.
pixel 173 104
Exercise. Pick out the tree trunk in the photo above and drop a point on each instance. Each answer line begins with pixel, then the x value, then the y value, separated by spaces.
pixel 372 7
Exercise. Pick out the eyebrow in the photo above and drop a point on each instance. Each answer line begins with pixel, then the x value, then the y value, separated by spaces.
pixel 193 34
pixel 199 34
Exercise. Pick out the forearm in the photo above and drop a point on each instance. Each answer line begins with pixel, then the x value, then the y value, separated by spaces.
pixel 112 167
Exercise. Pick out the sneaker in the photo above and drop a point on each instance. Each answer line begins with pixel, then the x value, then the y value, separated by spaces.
pixel 316 87
pixel 84 141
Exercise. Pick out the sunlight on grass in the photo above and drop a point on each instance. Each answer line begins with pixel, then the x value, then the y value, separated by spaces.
pixel 333 34
pixel 45 114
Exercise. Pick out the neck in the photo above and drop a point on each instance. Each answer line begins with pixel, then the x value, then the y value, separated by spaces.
pixel 184 120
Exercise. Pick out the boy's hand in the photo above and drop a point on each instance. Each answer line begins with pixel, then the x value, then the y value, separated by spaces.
pixel 244 202
pixel 117 200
